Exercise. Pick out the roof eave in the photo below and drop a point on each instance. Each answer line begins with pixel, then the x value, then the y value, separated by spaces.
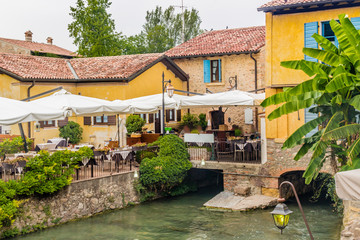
pixel 217 54
pixel 296 5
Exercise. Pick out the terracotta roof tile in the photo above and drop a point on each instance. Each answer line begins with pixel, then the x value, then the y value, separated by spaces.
pixel 30 67
pixel 221 42
pixel 112 67
pixel 40 47
pixel 290 3
pixel 35 67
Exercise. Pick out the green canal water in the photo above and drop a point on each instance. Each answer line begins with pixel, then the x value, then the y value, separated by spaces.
pixel 182 218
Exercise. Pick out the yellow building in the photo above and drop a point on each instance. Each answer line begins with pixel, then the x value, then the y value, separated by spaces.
pixel 110 78
pixel 289 27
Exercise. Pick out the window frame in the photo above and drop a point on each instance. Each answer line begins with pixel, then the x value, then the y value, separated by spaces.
pixel 102 120
pixel 217 71
pixel 47 125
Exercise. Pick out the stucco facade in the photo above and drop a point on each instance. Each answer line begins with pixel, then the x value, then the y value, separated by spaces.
pixel 284 42
pixel 147 83
pixel 241 66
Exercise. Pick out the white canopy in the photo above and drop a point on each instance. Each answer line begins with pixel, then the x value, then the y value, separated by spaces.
pixel 133 108
pixel 347 185
pixel 155 101
pixel 225 99
pixel 15 111
pixel 82 105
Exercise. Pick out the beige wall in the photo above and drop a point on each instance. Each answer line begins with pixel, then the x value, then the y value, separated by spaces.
pixel 240 65
pixel 6 47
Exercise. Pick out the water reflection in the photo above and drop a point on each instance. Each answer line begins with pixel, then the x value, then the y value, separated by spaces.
pixel 182 218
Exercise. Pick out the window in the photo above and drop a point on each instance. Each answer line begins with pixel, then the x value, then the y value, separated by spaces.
pixel 44 124
pixel 212 71
pixel 328 33
pixel 101 120
pixel 170 115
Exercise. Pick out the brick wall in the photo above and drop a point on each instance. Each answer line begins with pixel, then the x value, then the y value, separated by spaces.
pixel 240 65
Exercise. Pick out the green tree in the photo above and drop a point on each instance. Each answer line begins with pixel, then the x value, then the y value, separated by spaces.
pixel 93 29
pixel 333 93
pixel 73 131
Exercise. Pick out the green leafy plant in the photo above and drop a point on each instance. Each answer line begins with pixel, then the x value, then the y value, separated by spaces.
pixel 73 131
pixel 140 155
pixel 333 93
pixel 15 145
pixel 159 175
pixel 237 132
pixel 202 121
pixel 190 120
pixel 134 123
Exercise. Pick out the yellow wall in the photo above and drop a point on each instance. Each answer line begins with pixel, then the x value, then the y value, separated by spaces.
pixel 147 83
pixel 285 41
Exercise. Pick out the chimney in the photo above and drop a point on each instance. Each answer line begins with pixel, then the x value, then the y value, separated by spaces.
pixel 28 36
pixel 49 40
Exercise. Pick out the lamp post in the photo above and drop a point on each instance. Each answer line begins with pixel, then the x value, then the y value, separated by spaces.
pixel 166 86
pixel 281 213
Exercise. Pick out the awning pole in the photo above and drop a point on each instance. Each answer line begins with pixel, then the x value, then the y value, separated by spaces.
pixel 118 129
pixel 23 137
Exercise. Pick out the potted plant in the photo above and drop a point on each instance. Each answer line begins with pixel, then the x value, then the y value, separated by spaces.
pixel 71 131
pixel 134 125
pixel 190 121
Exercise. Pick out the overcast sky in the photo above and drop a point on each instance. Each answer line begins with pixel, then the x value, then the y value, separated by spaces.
pixel 50 17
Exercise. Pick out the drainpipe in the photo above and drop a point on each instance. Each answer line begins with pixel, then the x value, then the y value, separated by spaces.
pixel 256 87
pixel 28 95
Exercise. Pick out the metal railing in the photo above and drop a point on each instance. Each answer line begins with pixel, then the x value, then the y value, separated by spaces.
pixel 226 151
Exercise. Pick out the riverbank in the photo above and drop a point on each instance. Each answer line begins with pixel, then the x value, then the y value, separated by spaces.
pixel 183 217
pixel 79 200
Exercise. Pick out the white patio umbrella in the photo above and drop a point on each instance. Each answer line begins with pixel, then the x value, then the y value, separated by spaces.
pixel 132 108
pixel 347 185
pixel 15 111
pixel 225 99
pixel 138 105
pixel 81 105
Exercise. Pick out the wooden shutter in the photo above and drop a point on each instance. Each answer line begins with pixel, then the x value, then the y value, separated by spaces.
pixel 42 124
pixel 309 41
pixel 62 123
pixel 112 120
pixel 356 22
pixel 167 115
pixel 151 117
pixel 207 71
pixel 87 120
pixel 219 66
pixel 178 115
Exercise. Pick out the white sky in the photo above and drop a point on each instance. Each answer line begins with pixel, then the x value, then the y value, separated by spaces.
pixel 50 17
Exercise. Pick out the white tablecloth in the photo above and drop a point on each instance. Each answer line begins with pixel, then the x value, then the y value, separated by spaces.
pixel 124 154
pixel 46 146
pixel 83 145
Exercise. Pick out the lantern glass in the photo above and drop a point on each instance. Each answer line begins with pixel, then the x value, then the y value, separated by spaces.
pixel 281 221
pixel 170 90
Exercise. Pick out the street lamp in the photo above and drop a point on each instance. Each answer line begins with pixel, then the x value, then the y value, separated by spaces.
pixel 281 213
pixel 166 85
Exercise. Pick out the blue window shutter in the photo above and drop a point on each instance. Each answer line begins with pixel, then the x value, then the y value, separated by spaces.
pixel 207 71
pixel 356 22
pixel 309 42
pixel 308 117
pixel 219 70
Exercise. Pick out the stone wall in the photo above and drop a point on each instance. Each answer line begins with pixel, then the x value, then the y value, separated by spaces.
pixel 240 65
pixel 80 199
pixel 351 220
pixel 6 47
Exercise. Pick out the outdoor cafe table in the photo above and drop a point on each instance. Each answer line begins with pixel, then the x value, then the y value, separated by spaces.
pixel 60 142
pixel 119 155
pixel 83 145
pixel 45 146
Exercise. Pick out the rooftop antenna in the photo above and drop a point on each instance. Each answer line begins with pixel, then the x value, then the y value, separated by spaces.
pixel 183 20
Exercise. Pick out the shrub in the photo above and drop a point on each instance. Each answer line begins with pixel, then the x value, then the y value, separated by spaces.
pixel 140 155
pixel 162 173
pixel 190 120
pixel 237 132
pixel 195 131
pixel 15 145
pixel 202 121
pixel 134 123
pixel 73 131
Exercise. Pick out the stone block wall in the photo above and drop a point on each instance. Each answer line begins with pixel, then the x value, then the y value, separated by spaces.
pixel 351 220
pixel 80 199
pixel 240 65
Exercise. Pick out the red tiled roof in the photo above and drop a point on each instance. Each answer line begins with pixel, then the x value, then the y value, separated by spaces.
pixel 116 67
pixel 40 47
pixel 112 67
pixel 278 4
pixel 225 41
pixel 32 67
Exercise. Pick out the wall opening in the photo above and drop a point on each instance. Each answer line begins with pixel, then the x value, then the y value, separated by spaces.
pixel 208 178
